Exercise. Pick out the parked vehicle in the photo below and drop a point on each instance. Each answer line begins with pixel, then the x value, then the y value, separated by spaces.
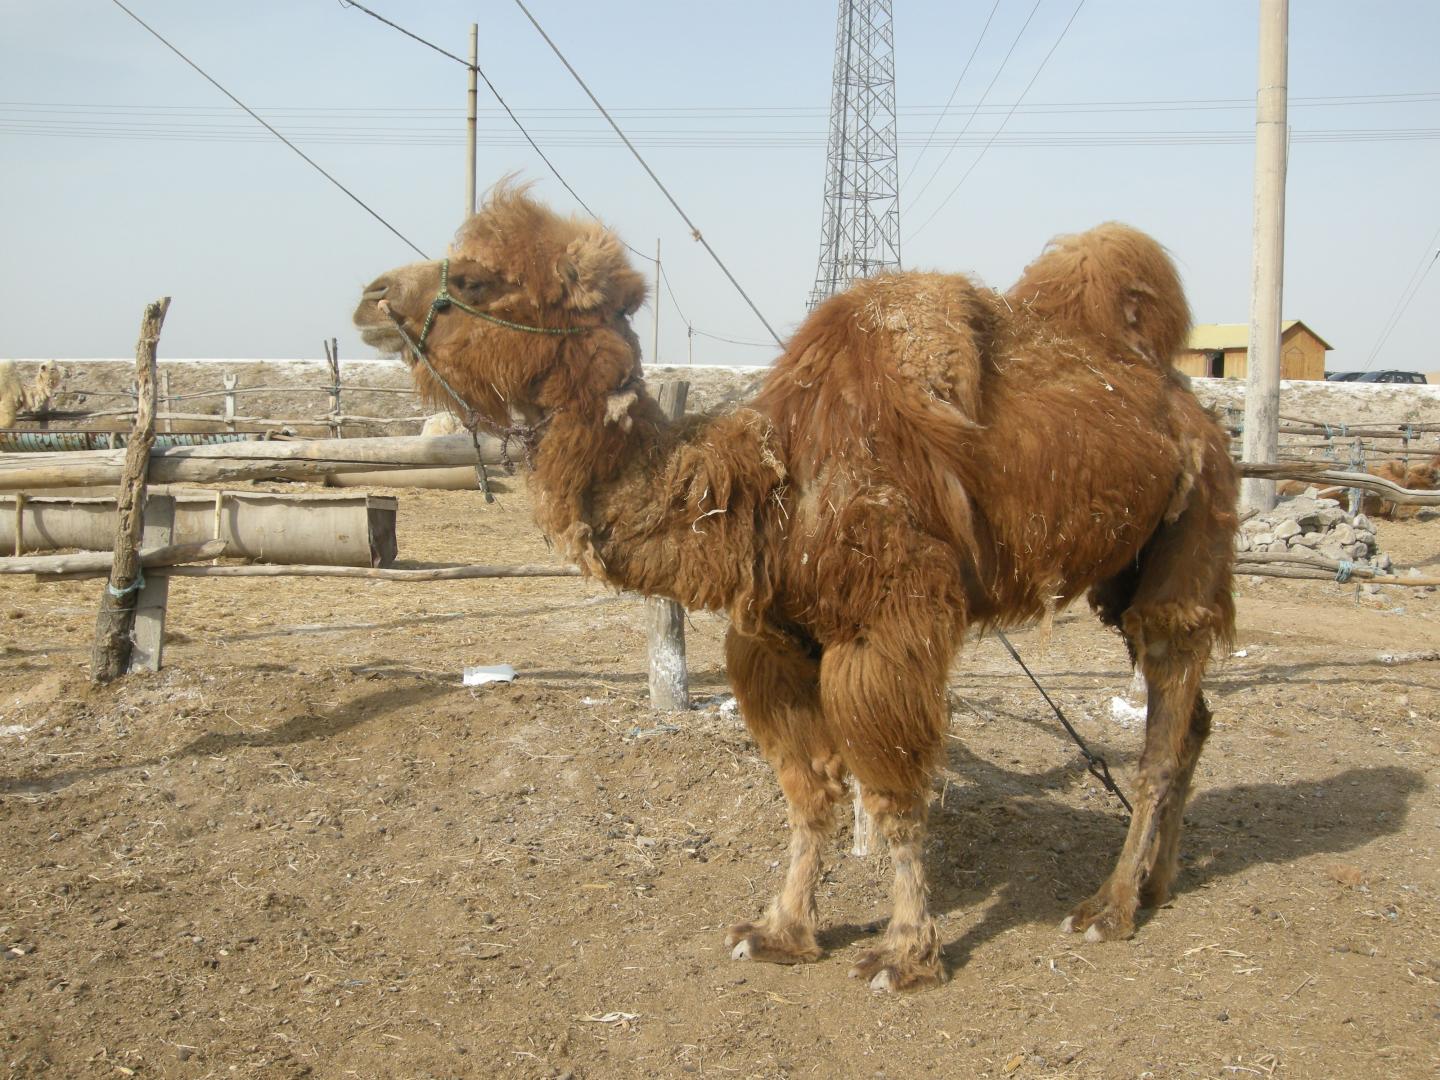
pixel 1388 376
pixel 1392 377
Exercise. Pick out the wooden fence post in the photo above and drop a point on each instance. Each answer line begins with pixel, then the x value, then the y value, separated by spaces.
pixel 1357 464
pixel 665 619
pixel 231 381
pixel 332 359
pixel 111 654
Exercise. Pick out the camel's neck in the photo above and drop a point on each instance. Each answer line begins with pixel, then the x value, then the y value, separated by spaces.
pixel 668 509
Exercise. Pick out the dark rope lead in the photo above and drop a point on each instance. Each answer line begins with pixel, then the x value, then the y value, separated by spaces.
pixel 1093 762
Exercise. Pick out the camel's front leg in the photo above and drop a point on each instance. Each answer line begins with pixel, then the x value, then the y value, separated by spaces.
pixel 884 696
pixel 909 956
pixel 776 681
pixel 786 932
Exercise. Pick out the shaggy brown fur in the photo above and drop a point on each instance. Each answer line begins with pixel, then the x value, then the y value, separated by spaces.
pixel 16 396
pixel 1416 476
pixel 926 457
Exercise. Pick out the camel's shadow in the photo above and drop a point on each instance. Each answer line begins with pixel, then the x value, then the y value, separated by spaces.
pixel 1025 857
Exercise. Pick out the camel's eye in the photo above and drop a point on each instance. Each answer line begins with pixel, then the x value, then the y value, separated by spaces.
pixel 465 283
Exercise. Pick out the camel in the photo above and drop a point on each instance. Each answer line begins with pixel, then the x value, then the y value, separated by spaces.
pixel 15 396
pixel 926 457
pixel 1416 476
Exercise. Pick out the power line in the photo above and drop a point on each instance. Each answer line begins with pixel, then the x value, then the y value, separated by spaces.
pixel 974 112
pixel 979 157
pixel 313 164
pixel 491 86
pixel 437 112
pixel 694 231
pixel 953 91
pixel 1407 294
pixel 412 135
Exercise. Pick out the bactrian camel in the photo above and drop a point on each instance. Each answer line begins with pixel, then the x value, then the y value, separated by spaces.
pixel 927 457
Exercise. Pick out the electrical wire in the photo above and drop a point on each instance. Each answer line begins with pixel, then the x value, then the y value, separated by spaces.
pixel 939 119
pixel 694 231
pixel 491 86
pixel 313 164
pixel 980 157
pixel 975 112
pixel 1407 294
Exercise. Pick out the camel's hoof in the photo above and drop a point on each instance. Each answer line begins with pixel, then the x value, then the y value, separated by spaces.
pixel 752 941
pixel 888 974
pixel 1099 922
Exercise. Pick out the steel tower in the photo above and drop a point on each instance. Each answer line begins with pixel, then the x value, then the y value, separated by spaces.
pixel 860 231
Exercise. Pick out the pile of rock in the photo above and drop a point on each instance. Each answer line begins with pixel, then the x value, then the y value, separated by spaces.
pixel 1309 524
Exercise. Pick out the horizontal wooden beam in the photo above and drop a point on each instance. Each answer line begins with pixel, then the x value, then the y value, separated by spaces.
pixel 429 573
pixel 270 460
pixel 1320 475
pixel 97 563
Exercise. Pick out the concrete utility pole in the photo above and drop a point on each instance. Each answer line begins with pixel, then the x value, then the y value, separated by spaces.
pixel 1262 375
pixel 470 114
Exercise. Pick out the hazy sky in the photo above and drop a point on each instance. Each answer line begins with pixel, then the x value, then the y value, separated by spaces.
pixel 125 176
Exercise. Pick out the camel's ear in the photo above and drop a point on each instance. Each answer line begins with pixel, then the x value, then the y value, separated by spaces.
pixel 582 272
pixel 593 273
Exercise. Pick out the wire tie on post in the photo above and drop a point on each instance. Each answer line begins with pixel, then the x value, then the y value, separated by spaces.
pixel 133 587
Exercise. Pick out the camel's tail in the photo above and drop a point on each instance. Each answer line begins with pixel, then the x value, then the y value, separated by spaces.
pixel 1112 282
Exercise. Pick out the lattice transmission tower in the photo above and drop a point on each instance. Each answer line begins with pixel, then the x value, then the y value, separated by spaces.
pixel 860 231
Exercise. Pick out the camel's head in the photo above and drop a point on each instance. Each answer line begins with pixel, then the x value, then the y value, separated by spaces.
pixel 48 377
pixel 541 318
pixel 1424 476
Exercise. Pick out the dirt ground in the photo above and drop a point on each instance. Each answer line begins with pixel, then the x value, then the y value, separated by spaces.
pixel 305 849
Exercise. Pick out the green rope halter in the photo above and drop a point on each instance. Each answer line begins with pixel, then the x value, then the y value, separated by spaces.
pixel 443 299
pixel 524 435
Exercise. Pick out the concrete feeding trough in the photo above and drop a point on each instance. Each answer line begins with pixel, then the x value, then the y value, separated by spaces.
pixel 329 529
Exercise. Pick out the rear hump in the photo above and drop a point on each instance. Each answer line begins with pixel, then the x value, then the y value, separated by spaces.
pixel 1112 282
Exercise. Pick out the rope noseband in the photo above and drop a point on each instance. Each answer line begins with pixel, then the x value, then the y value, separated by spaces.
pixel 526 435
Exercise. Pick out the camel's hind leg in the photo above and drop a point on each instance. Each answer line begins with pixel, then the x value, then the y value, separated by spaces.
pixel 1170 635
pixel 776 682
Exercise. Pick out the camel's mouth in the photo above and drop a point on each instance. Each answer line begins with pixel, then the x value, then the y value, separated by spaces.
pixel 377 328
pixel 383 337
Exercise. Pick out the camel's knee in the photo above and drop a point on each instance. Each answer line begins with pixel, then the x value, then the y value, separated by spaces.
pixel 812 787
pixel 1172 632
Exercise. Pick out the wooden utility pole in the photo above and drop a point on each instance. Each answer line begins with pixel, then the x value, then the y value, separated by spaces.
pixel 470 116
pixel 665 619
pixel 111 655
pixel 1262 376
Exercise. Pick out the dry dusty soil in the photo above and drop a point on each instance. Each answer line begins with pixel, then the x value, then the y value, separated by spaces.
pixel 305 849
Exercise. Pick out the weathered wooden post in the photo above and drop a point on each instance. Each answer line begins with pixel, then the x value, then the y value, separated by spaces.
pixel 332 360
pixel 665 619
pixel 231 381
pixel 1357 464
pixel 111 654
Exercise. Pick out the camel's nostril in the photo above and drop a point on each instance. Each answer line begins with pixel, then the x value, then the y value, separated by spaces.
pixel 375 292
